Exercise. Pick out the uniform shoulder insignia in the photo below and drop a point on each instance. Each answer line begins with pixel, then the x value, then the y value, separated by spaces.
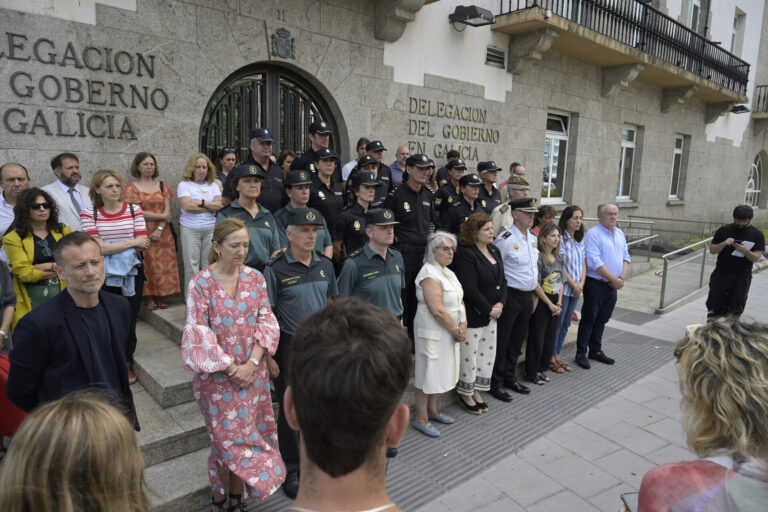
pixel 506 235
pixel 355 253
pixel 276 257
pixel 322 255
pixel 504 208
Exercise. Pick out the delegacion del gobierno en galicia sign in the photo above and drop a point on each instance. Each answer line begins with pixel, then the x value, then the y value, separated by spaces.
pixel 77 100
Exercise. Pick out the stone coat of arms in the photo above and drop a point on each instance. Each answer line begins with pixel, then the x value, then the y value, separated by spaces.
pixel 283 45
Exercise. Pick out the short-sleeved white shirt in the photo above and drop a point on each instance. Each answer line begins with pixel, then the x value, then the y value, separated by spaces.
pixel 195 192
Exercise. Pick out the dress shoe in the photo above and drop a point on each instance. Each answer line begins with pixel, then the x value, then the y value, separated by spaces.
pixel 471 409
pixel 600 356
pixel 581 360
pixel 427 430
pixel 391 452
pixel 517 387
pixel 441 418
pixel 500 394
pixel 291 484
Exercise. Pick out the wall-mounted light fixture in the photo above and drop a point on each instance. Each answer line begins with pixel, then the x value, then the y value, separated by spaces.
pixel 471 15
pixel 739 109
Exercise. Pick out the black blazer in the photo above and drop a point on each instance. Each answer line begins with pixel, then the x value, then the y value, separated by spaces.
pixel 483 285
pixel 49 358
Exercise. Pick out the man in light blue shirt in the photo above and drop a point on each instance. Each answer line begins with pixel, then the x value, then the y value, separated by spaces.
pixel 607 265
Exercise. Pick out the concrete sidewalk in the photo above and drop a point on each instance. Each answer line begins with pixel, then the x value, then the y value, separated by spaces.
pixel 588 461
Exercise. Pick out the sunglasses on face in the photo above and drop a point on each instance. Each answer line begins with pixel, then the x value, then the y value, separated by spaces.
pixel 41 206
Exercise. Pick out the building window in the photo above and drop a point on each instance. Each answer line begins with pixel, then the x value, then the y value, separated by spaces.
pixel 675 187
pixel 694 13
pixel 555 150
pixel 754 182
pixel 628 140
pixel 737 34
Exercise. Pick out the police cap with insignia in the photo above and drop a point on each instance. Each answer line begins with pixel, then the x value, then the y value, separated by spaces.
pixel 305 216
pixel 417 160
pixel 245 170
pixel 325 153
pixel 366 160
pixel 470 179
pixel 319 127
pixel 364 178
pixel 524 204
pixel 380 217
pixel 489 166
pixel 297 177
pixel 456 164
pixel 375 145
pixel 262 134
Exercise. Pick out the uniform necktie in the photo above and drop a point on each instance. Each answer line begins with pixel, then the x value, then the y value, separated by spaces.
pixel 71 192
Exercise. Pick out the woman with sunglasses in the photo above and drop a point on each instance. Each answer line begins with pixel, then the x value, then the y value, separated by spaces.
pixel 29 245
pixel 226 161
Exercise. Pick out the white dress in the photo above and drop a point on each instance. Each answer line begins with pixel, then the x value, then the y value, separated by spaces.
pixel 437 353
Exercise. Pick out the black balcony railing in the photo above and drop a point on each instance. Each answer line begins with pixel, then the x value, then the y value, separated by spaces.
pixel 640 26
pixel 760 99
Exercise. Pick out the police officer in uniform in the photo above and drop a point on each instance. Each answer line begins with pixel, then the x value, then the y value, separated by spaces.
pixel 468 203
pixel 326 193
pixel 520 257
pixel 489 197
pixel 411 203
pixel 501 216
pixel 297 185
pixel 271 196
pixel 349 230
pixel 383 174
pixel 448 194
pixel 300 282
pixel 264 242
pixel 375 272
pixel 319 137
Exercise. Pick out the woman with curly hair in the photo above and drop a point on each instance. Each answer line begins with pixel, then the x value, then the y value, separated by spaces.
pixel 77 453
pixel 29 245
pixel 724 383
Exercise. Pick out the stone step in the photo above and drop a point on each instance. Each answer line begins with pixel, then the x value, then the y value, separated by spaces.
pixel 180 484
pixel 167 432
pixel 159 368
pixel 169 321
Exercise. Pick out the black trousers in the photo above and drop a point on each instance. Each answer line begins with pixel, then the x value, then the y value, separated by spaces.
pixel 135 303
pixel 727 294
pixel 541 339
pixel 288 439
pixel 513 325
pixel 413 260
pixel 599 301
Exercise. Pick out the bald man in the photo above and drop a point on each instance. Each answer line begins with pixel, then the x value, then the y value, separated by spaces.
pixel 14 179
pixel 398 166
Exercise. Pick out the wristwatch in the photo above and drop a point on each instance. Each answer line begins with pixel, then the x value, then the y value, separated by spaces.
pixel 254 361
pixel 160 228
pixel 202 204
pixel 4 335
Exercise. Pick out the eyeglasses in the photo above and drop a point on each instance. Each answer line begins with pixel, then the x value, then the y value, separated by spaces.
pixel 227 150
pixel 40 206
pixel 447 248
pixel 44 247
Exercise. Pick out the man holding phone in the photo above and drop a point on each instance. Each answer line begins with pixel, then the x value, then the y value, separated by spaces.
pixel 738 246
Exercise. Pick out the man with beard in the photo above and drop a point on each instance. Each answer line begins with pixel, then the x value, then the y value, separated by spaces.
pixel 70 197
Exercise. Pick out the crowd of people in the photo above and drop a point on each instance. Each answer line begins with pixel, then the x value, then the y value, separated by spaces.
pixel 468 269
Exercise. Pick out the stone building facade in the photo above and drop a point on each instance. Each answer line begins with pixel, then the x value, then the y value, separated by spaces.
pixel 108 81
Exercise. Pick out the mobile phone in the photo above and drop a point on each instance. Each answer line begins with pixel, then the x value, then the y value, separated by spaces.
pixel 738 241
pixel 630 501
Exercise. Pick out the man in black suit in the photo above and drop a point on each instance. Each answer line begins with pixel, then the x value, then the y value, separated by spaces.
pixel 77 339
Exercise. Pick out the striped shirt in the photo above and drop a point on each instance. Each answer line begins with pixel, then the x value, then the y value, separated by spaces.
pixel 573 254
pixel 114 227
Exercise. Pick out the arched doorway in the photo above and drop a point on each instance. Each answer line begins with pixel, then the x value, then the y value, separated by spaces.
pixel 263 95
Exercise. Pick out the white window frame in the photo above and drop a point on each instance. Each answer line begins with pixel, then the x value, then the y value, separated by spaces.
pixel 693 21
pixel 677 156
pixel 754 183
pixel 737 34
pixel 627 144
pixel 551 136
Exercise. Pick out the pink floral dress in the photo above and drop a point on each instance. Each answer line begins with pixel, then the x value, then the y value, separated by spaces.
pixel 220 330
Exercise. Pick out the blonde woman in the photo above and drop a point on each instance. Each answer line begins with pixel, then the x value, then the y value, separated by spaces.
pixel 76 453
pixel 120 230
pixel 724 383
pixel 200 199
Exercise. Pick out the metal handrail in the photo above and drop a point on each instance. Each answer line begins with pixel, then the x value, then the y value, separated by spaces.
pixel 650 246
pixel 640 26
pixel 666 268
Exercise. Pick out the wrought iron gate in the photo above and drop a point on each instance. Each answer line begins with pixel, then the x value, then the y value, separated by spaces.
pixel 263 96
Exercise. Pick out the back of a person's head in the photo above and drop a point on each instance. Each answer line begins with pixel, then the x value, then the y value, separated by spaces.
pixel 76 454
pixel 724 384
pixel 349 366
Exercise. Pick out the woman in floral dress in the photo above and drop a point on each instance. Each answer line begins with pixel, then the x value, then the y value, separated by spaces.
pixel 154 197
pixel 229 329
